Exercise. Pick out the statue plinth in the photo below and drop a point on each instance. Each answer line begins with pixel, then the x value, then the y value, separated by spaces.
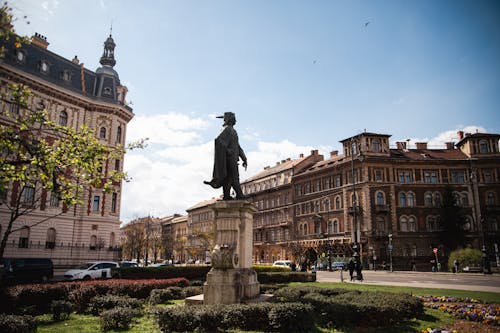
pixel 232 278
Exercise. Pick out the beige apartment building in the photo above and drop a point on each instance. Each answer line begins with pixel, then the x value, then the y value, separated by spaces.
pixel 73 95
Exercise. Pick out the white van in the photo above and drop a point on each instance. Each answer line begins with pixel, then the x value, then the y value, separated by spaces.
pixel 283 263
pixel 91 270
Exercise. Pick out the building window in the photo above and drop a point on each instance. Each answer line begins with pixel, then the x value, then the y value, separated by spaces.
pixel 380 199
pixel 403 223
pixel 431 223
pixel 488 176
pixel 335 226
pixel 24 237
pixel 380 223
pixel 54 200
pixel 119 134
pixel 437 199
pixel 28 196
pixel 491 199
pixel 102 133
pixel 112 240
pixel 44 67
pixel 410 199
pixel 63 118
pixel 20 56
pixel 317 227
pixel 484 147
pixel 376 146
pixel 492 224
pixel 430 177
pixel 50 243
pixel 428 199
pixel 404 177
pixel 107 91
pixel 402 199
pixel 379 175
pixel 93 242
pixel 412 224
pixel 464 199
pixel 329 227
pixel 95 206
pixel 338 181
pixel 114 199
pixel 117 165
pixel 13 107
pixel 458 177
pixel 338 203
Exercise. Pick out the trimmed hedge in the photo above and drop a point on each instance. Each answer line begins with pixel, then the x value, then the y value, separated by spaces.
pixel 164 272
pixel 340 308
pixel 285 277
pixel 117 319
pixel 267 317
pixel 108 302
pixel 38 297
pixel 17 324
pixel 268 269
pixel 60 310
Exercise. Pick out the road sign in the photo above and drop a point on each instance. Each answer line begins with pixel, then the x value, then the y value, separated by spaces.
pixel 435 250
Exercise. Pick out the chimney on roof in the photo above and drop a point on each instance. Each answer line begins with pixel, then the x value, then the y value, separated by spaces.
pixel 450 145
pixel 278 163
pixel 401 145
pixel 314 152
pixel 75 60
pixel 288 159
pixel 460 135
pixel 334 153
pixel 467 134
pixel 39 40
pixel 267 167
pixel 301 155
pixel 283 161
pixel 421 145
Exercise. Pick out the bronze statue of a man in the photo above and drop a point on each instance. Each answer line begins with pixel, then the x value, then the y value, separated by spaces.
pixel 227 155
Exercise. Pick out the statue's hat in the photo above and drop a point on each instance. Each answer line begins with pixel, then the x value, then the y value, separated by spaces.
pixel 226 115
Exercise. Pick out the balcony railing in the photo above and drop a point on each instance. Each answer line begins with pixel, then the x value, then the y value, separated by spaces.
pixel 381 208
pixel 356 209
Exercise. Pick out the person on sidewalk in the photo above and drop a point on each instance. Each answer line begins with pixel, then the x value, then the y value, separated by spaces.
pixel 350 267
pixel 456 265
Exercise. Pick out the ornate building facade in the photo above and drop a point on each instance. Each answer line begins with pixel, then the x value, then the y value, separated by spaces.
pixel 390 200
pixel 73 95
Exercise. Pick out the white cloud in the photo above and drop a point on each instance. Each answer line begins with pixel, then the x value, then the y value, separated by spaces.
pixel 50 6
pixel 171 129
pixel 446 136
pixel 168 179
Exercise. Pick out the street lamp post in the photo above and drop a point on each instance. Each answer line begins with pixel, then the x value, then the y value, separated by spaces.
pixel 357 259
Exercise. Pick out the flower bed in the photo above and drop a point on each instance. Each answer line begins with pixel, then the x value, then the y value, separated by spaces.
pixel 465 308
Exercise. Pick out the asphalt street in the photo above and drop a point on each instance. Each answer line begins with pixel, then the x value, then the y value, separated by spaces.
pixel 462 281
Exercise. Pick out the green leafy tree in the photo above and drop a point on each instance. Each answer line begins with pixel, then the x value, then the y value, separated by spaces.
pixel 466 257
pixel 452 221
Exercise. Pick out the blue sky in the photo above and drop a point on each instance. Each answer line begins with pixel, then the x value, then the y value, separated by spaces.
pixel 299 75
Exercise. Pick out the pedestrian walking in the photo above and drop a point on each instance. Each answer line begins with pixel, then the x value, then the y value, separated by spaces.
pixel 456 265
pixel 351 266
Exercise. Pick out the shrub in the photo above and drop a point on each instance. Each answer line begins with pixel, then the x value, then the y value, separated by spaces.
pixel 17 324
pixel 268 269
pixel 191 291
pixel 285 277
pixel 164 296
pixel 81 297
pixel 117 318
pixel 249 317
pixel 291 317
pixel 107 302
pixel 466 257
pixel 60 310
pixel 37 297
pixel 270 288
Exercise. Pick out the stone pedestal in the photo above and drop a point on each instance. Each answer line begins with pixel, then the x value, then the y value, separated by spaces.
pixel 232 278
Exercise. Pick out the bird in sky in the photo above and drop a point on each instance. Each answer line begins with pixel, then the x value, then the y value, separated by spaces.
pixel 366 24
pixel 314 62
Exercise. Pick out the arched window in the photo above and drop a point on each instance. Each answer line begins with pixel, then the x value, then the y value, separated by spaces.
pixel 317 227
pixel 438 200
pixel 338 203
pixel 376 146
pixel 327 205
pixel 354 199
pixel 484 147
pixel 119 134
pixel 402 199
pixel 491 199
pixel 380 223
pixel 412 224
pixel 24 237
pixel 93 242
pixel 379 198
pixel 63 118
pixel 403 223
pixel 431 223
pixel 410 199
pixel 335 226
pixel 329 228
pixel 102 133
pixel 414 250
pixel 465 199
pixel 50 242
pixel 28 195
pixel 492 224
pixel 428 199
pixel 112 239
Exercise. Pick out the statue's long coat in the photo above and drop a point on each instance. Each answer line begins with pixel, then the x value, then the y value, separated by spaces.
pixel 226 154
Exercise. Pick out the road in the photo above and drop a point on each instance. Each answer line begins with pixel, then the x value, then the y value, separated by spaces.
pixel 462 281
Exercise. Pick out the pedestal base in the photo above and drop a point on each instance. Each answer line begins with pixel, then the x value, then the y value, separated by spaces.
pixel 229 286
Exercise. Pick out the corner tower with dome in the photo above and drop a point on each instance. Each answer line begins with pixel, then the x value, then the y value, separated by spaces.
pixel 73 95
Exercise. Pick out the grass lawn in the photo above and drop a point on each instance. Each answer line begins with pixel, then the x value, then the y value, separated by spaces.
pixel 431 318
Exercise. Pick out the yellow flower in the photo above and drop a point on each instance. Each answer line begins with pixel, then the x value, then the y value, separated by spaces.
pixel 17 45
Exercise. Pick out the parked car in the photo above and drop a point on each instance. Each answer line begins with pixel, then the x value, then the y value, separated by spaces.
pixel 283 263
pixel 162 264
pixel 124 264
pixel 14 270
pixel 92 270
pixel 472 269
